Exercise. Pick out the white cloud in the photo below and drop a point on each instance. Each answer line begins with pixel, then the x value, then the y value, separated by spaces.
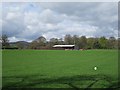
pixel 13 39
pixel 28 21
pixel 13 23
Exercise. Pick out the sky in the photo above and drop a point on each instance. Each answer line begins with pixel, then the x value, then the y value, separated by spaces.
pixel 26 21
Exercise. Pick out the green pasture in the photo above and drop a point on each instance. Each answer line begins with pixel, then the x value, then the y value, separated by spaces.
pixel 59 68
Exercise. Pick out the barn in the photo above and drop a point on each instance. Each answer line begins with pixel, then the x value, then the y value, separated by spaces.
pixel 64 47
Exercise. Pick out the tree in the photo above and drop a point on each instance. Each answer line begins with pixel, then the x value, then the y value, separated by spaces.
pixel 90 42
pixel 83 42
pixel 96 44
pixel 34 45
pixel 38 43
pixel 41 41
pixel 118 43
pixel 5 41
pixel 76 41
pixel 112 42
pixel 54 41
pixel 103 42
pixel 60 41
pixel 68 39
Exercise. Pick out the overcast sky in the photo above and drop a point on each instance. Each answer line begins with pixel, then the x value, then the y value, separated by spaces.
pixel 28 21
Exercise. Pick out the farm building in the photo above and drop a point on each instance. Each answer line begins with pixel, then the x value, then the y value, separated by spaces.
pixel 64 47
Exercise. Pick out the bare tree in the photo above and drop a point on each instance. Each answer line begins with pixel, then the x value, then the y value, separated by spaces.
pixel 5 41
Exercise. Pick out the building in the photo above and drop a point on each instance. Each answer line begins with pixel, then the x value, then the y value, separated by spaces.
pixel 64 47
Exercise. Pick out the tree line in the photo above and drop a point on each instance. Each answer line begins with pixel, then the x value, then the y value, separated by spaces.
pixel 80 42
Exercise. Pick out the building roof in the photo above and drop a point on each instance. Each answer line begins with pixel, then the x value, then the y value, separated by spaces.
pixel 63 45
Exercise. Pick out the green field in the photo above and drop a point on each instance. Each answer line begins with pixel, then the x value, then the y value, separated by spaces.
pixel 59 68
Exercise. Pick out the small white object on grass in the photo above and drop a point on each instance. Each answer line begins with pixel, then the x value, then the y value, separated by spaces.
pixel 95 68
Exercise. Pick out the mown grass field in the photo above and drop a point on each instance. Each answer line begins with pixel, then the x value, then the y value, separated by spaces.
pixel 59 68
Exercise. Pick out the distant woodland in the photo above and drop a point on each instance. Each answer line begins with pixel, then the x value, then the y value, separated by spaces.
pixel 80 43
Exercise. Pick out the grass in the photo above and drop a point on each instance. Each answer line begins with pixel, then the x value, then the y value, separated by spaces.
pixel 60 69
